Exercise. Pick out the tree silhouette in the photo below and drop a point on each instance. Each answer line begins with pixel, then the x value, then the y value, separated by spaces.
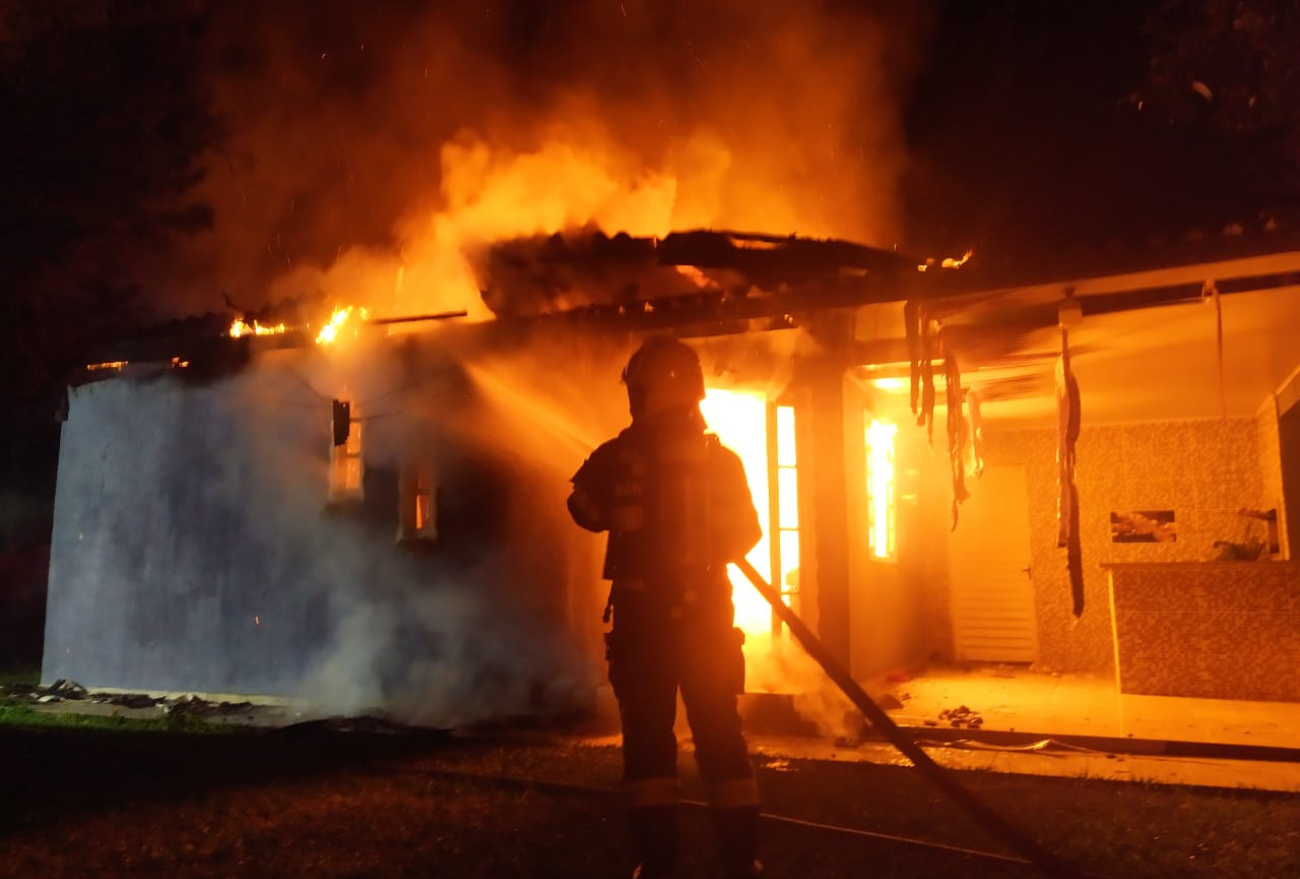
pixel 1232 66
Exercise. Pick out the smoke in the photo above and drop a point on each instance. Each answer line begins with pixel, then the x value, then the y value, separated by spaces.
pixel 376 152
pixel 499 619
pixel 371 148
pixel 511 626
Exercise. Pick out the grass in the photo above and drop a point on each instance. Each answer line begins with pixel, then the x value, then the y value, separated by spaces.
pixel 22 715
pixel 18 711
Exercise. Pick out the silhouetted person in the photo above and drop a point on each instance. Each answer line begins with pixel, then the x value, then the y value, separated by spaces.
pixel 677 508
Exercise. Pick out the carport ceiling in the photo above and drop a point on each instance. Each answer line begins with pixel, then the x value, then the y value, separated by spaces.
pixel 1157 363
pixel 1146 349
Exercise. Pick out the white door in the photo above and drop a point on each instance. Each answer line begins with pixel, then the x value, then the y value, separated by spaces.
pixel 992 593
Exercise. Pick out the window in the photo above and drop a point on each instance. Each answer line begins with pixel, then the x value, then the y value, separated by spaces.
pixel 346 466
pixel 762 434
pixel 880 489
pixel 417 516
pixel 785 501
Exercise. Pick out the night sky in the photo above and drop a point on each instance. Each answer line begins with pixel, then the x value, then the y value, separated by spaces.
pixel 166 159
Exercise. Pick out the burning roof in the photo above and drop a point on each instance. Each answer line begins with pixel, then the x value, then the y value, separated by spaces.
pixel 696 279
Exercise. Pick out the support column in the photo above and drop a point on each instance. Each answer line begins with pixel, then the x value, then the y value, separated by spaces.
pixel 825 381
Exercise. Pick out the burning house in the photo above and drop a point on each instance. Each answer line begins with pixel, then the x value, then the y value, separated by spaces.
pixel 368 518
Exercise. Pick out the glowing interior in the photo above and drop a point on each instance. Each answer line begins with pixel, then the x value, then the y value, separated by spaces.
pixel 739 419
pixel 880 487
pixel 346 462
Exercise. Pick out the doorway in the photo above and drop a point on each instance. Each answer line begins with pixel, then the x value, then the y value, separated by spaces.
pixel 991 586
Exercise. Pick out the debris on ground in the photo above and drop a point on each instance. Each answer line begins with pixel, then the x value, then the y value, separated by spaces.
pixel 63 690
pixel 59 691
pixel 192 706
pixel 961 716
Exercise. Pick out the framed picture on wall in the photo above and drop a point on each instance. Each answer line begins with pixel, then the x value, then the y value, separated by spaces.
pixel 1143 526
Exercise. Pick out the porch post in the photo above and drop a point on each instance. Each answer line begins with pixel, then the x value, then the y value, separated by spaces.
pixel 830 504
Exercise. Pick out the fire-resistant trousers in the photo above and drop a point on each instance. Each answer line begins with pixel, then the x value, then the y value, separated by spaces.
pixel 655 652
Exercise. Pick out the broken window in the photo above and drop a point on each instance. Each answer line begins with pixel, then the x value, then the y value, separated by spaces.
pixel 417 515
pixel 346 466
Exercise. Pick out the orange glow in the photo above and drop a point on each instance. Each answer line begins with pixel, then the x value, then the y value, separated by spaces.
pixel 787 483
pixel 330 332
pixel 109 364
pixel 785 450
pixel 787 499
pixel 240 327
pixel 948 262
pixel 695 275
pixel 346 464
pixel 891 384
pixel 739 419
pixel 880 487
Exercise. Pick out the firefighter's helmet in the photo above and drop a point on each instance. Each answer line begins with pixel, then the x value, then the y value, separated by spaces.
pixel 663 374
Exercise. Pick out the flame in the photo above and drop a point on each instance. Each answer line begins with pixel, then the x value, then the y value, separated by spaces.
pixel 880 486
pixel 108 364
pixel 948 262
pixel 240 327
pixel 739 419
pixel 694 275
pixel 330 332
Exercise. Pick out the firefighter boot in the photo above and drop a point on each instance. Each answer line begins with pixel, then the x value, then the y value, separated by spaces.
pixel 653 831
pixel 735 833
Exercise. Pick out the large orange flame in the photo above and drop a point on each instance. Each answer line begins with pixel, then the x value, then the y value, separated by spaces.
pixel 330 332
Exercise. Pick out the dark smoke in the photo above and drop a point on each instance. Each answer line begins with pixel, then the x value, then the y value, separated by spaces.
pixel 371 145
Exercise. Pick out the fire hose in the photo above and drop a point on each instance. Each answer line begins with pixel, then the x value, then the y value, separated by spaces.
pixel 563 787
pixel 976 808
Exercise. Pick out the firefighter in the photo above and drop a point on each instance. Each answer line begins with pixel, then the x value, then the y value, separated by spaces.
pixel 677 508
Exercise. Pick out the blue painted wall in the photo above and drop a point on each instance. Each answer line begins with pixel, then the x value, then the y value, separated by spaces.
pixel 194 550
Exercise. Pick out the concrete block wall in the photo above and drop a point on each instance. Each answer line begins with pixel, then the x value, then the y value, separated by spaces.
pixel 1205 470
pixel 1215 630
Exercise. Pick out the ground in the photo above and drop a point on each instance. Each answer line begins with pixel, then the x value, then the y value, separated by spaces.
pixel 328 801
